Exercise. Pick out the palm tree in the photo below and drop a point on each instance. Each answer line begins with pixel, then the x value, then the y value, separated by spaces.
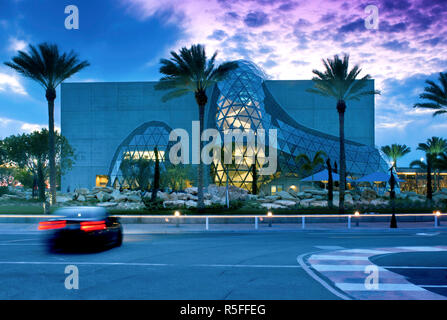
pixel 432 148
pixel 338 82
pixel 309 165
pixel 48 67
pixel 190 71
pixel 436 95
pixel 395 152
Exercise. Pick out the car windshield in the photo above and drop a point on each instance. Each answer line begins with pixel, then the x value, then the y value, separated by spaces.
pixel 82 213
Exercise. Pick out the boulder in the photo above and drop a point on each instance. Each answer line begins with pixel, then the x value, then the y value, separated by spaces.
pixel 133 198
pixel 369 194
pixel 272 206
pixel 162 195
pixel 107 204
pixel 285 195
pixel 81 198
pixel 102 189
pixel 192 190
pixel 174 204
pixel 63 199
pixel 272 198
pixel 191 204
pixel 103 196
pixel 307 202
pixel 319 204
pixel 286 203
pixel 317 191
pixel 440 197
pixel 82 191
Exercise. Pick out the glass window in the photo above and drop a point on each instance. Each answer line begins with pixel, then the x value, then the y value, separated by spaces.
pixel 102 180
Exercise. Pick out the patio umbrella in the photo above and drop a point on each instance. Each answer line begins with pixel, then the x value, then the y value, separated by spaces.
pixel 323 176
pixel 377 177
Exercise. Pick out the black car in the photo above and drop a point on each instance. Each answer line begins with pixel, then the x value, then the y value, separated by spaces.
pixel 82 228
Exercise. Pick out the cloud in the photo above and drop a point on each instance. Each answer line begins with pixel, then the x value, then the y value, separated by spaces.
pixel 11 83
pixel 309 31
pixel 256 19
pixel 12 126
pixel 16 44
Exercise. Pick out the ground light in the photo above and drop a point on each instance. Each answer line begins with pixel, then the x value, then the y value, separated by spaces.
pixel 270 215
pixel 357 215
pixel 437 214
pixel 177 215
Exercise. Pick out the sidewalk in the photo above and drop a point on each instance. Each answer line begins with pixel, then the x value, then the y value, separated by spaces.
pixel 168 228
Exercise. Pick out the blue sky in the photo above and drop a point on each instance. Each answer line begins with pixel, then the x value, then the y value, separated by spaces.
pixel 124 40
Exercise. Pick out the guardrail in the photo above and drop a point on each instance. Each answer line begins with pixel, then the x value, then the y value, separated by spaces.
pixel 300 220
pixel 303 220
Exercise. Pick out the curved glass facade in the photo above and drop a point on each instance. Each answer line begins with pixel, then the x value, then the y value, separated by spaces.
pixel 132 165
pixel 244 102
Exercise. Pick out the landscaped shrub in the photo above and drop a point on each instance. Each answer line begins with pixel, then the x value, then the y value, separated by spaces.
pixel 4 190
pixel 157 204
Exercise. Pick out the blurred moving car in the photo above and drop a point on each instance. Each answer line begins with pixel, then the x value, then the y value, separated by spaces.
pixel 82 228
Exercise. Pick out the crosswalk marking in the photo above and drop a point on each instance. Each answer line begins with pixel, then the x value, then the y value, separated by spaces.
pixel 381 287
pixel 347 271
pixel 338 257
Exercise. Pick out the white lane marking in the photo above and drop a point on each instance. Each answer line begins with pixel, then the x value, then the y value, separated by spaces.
pixel 365 251
pixel 433 286
pixel 148 264
pixel 329 247
pixel 428 249
pixel 427 234
pixel 336 257
pixel 300 260
pixel 412 267
pixel 342 267
pixel 18 240
pixel 19 244
pixel 382 287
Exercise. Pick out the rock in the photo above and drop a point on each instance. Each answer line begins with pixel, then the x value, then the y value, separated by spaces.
pixel 174 204
pixel 285 195
pixel 440 197
pixel 415 199
pixel 191 204
pixel 63 199
pixel 192 190
pixel 82 191
pixel 272 198
pixel 102 189
pixel 272 206
pixel 348 198
pixel 319 204
pixel 307 202
pixel 317 192
pixel 81 198
pixel 103 196
pixel 369 194
pixel 286 203
pixel 107 204
pixel 134 198
pixel 162 195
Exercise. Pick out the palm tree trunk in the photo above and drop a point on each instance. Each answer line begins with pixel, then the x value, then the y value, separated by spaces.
pixel 51 96
pixel 200 203
pixel 429 186
pixel 341 108
pixel 40 181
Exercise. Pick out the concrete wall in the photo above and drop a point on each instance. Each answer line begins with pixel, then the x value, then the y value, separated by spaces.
pixel 320 113
pixel 97 117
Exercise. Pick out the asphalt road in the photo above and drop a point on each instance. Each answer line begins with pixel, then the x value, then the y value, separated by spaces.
pixel 256 265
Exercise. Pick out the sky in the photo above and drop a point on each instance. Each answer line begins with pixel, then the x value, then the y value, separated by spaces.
pixel 124 40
